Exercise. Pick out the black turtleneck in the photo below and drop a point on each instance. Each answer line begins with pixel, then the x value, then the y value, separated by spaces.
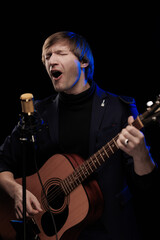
pixel 74 122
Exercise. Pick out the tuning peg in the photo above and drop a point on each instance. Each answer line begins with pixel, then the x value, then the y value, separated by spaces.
pixel 149 103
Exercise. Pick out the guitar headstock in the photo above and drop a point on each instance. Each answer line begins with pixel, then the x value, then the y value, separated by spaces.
pixel 152 114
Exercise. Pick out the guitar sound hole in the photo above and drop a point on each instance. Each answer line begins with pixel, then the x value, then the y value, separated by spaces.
pixel 55 196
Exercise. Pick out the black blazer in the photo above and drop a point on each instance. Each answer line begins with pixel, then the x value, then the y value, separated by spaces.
pixel 109 116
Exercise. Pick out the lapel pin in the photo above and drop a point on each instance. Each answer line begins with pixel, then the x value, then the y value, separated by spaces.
pixel 103 103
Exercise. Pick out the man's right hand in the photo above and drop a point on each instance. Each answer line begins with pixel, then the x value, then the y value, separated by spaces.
pixel 32 204
pixel 15 191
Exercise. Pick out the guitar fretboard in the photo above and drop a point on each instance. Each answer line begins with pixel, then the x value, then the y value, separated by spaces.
pixel 94 162
pixel 89 166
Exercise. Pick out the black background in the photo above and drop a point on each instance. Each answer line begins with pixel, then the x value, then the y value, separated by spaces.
pixel 125 45
pixel 125 41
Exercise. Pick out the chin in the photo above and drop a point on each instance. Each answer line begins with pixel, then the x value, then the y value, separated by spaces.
pixel 59 89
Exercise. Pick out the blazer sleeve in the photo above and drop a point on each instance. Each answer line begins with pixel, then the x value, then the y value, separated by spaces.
pixel 138 183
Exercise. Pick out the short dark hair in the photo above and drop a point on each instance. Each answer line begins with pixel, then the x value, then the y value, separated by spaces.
pixel 78 46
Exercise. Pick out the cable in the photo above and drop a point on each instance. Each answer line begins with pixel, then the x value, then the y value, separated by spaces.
pixel 43 189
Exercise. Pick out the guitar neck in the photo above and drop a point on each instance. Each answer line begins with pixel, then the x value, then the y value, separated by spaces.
pixel 89 166
pixel 94 162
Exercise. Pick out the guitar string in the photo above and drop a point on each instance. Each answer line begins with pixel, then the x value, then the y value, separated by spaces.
pixel 79 172
pixel 51 195
pixel 54 192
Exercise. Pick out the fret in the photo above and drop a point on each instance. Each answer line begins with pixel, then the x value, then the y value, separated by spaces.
pixel 86 169
pixel 83 171
pixel 105 151
pixel 87 162
pixel 71 182
pixel 79 175
pixel 68 185
pixel 115 143
pixel 93 163
pixel 110 147
pixel 76 177
pixel 97 160
pixel 101 155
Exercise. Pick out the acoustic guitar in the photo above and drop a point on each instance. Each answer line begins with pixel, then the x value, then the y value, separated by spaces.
pixel 69 196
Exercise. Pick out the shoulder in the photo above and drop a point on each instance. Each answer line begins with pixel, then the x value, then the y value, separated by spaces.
pixel 127 99
pixel 120 102
pixel 127 103
pixel 123 99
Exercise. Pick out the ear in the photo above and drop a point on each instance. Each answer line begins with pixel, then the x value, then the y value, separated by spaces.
pixel 84 64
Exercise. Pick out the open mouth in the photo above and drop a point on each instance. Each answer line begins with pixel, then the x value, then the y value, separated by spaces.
pixel 56 74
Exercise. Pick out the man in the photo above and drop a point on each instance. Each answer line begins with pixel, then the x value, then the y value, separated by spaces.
pixel 81 118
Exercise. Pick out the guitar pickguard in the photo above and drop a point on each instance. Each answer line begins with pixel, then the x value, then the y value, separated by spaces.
pixel 48 225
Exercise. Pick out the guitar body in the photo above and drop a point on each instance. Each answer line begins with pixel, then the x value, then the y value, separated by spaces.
pixel 71 212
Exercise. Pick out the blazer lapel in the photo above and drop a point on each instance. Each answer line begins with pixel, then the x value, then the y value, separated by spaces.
pixel 53 122
pixel 98 110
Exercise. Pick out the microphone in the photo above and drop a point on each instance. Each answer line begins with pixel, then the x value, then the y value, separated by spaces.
pixel 27 103
pixel 30 121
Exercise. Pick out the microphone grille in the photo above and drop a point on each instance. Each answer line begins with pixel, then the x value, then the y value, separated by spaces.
pixel 26 97
pixel 27 103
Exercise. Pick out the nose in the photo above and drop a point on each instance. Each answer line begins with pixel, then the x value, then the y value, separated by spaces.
pixel 51 66
pixel 53 59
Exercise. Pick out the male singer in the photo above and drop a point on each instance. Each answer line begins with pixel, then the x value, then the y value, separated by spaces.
pixel 81 119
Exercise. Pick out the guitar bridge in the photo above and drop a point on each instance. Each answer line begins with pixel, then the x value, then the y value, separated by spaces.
pixel 32 230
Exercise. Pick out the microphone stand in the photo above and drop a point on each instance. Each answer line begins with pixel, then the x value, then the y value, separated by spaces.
pixel 23 144
pixel 30 124
pixel 26 135
pixel 24 140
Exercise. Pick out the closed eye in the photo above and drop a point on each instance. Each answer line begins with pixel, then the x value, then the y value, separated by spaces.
pixel 60 52
pixel 47 56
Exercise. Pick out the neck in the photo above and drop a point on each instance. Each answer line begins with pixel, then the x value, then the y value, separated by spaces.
pixel 79 87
